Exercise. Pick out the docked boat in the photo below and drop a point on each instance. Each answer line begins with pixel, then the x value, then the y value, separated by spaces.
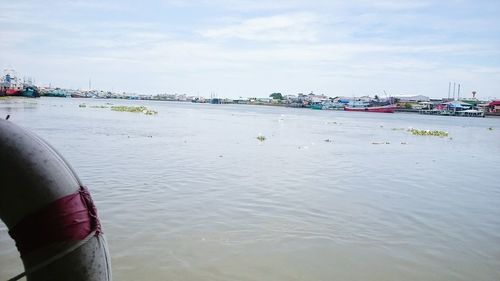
pixel 381 109
pixel 12 92
pixel 30 92
pixel 59 93
pixel 316 105
pixel 329 105
pixel 80 95
pixel 10 85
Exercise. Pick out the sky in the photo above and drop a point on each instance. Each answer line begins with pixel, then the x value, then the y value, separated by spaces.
pixel 252 48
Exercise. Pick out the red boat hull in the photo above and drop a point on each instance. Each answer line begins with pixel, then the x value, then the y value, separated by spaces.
pixel 380 109
pixel 12 92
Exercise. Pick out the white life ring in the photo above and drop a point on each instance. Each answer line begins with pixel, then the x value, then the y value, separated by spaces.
pixel 57 241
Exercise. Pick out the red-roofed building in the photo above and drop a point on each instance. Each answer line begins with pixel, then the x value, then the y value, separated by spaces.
pixel 494 106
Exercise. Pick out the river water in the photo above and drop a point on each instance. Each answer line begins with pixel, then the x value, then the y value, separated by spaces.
pixel 191 194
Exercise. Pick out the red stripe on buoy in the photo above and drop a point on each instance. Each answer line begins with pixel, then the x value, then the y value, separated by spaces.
pixel 69 218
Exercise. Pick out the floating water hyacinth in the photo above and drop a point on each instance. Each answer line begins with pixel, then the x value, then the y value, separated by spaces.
pixel 142 109
pixel 82 105
pixel 98 106
pixel 436 133
pixel 261 138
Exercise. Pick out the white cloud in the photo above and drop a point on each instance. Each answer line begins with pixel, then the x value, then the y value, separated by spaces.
pixel 301 5
pixel 301 27
pixel 394 5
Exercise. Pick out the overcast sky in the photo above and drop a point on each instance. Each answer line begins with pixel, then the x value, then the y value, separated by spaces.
pixel 253 48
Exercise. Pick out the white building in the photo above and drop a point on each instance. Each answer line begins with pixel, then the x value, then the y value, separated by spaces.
pixel 412 98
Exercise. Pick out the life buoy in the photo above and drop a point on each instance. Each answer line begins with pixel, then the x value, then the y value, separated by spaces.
pixel 48 212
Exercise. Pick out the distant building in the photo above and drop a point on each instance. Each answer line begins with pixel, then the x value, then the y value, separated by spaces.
pixel 317 98
pixel 472 101
pixel 364 99
pixel 341 99
pixel 301 97
pixel 241 101
pixel 412 98
pixel 494 106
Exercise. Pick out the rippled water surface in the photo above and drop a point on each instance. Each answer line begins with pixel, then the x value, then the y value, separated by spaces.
pixel 191 194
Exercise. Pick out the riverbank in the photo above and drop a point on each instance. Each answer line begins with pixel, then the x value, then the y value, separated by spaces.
pixel 398 110
pixel 191 192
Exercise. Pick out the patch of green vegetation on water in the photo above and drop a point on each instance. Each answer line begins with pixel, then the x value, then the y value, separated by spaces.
pixel 436 133
pixel 261 138
pixel 122 108
pixel 142 109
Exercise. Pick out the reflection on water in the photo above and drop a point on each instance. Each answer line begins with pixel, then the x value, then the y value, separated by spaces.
pixel 191 194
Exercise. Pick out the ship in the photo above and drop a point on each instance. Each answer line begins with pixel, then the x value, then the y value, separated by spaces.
pixel 11 86
pixel 80 95
pixel 30 92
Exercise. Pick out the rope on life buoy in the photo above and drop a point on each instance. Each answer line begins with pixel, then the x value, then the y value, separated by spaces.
pixel 78 215
pixel 53 258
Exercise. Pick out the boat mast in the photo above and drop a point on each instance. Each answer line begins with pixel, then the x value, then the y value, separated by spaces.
pixel 458 94
pixel 449 90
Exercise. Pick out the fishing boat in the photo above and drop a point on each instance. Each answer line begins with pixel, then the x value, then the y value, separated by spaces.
pixel 79 95
pixel 317 105
pixel 59 93
pixel 30 92
pixel 9 84
pixel 12 92
pixel 381 109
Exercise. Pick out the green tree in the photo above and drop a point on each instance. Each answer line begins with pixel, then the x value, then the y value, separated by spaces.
pixel 276 96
